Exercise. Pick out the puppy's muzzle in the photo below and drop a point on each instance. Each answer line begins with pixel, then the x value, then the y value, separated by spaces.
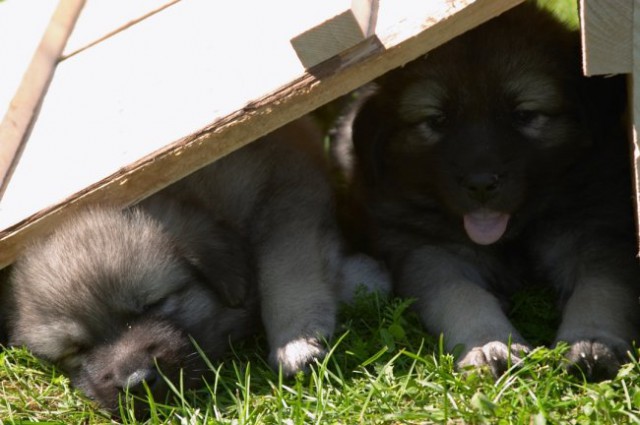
pixel 481 187
pixel 135 382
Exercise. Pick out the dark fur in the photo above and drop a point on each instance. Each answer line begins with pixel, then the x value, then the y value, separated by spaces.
pixel 109 294
pixel 500 119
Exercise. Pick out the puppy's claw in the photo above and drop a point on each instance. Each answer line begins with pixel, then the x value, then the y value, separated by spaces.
pixel 297 355
pixel 595 360
pixel 495 356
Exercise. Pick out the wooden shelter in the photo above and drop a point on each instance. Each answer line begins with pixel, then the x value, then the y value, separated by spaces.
pixel 112 101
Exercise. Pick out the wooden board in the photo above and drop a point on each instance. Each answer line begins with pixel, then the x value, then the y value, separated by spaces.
pixel 611 45
pixel 19 41
pixel 346 23
pixel 635 104
pixel 606 28
pixel 21 113
pixel 173 93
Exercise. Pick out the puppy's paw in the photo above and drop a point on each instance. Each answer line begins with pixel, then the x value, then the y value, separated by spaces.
pixel 596 360
pixel 496 356
pixel 297 355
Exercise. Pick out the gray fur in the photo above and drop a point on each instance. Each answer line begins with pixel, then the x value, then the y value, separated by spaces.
pixel 110 292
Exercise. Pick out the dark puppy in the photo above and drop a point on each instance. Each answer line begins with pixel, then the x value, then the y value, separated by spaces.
pixel 111 294
pixel 492 162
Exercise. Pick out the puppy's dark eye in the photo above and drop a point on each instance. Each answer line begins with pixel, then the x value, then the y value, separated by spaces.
pixel 525 117
pixel 436 121
pixel 528 118
pixel 431 127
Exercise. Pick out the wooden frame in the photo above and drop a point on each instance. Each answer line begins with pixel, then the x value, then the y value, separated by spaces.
pixel 404 32
pixel 611 45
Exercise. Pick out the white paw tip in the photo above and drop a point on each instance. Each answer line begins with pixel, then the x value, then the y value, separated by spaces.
pixel 297 354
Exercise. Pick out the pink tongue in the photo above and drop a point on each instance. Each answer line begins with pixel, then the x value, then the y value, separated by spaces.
pixel 485 227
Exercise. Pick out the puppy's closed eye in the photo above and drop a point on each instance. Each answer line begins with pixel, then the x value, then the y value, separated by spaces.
pixel 155 305
pixel 163 306
pixel 536 102
pixel 530 122
pixel 72 357
pixel 432 124
pixel 423 110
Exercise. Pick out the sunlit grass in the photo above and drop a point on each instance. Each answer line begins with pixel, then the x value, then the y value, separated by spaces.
pixel 363 380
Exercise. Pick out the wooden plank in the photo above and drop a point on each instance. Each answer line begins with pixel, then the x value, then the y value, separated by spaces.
pixel 103 19
pixel 634 78
pixel 606 28
pixel 348 23
pixel 163 107
pixel 18 42
pixel 15 125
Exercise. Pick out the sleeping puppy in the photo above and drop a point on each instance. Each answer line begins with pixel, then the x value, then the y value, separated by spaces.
pixel 491 163
pixel 115 297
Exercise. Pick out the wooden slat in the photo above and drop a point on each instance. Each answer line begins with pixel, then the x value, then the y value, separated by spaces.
pixel 18 42
pixel 103 19
pixel 187 89
pixel 14 128
pixel 606 36
pixel 347 23
pixel 634 78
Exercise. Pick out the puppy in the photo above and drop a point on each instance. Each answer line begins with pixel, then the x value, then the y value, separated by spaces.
pixel 491 163
pixel 116 297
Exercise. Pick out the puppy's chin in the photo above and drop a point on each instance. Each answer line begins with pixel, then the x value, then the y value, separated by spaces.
pixel 485 226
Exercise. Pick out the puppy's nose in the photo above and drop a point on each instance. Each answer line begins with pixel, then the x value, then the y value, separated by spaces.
pixel 135 382
pixel 481 186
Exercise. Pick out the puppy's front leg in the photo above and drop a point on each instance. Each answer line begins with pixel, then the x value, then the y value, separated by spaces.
pixel 298 302
pixel 599 321
pixel 452 299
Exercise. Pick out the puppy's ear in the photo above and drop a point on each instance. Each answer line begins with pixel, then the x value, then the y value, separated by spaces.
pixel 213 250
pixel 370 130
pixel 223 261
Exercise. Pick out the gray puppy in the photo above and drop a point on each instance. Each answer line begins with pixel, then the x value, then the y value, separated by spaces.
pixel 491 163
pixel 111 294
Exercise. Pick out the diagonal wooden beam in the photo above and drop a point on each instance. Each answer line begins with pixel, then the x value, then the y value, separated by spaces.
pixel 17 122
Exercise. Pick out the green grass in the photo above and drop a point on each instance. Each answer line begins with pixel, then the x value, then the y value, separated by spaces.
pixel 565 10
pixel 383 369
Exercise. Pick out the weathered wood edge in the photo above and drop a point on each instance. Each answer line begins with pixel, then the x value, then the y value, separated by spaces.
pixel 18 120
pixel 634 85
pixel 313 89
